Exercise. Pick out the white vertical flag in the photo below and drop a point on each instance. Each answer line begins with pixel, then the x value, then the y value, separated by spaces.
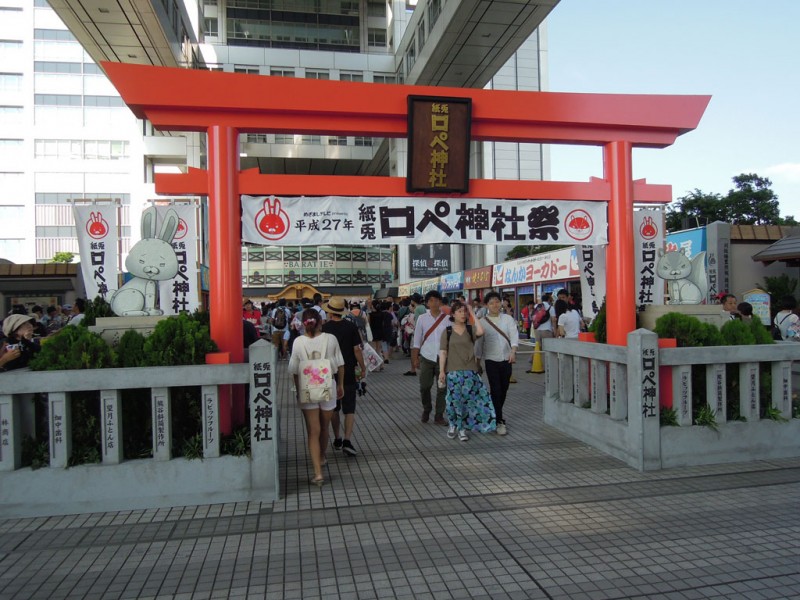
pixel 592 265
pixel 182 291
pixel 98 244
pixel 648 236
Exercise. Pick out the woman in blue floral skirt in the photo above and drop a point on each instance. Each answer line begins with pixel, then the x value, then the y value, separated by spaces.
pixel 469 405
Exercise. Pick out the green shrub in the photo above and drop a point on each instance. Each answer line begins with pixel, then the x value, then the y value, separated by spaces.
pixel 130 351
pixel 73 348
pixel 598 326
pixel 689 331
pixel 96 309
pixel 181 340
pixel 737 333
pixel 761 334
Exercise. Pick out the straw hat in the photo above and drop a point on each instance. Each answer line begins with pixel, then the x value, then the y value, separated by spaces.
pixel 336 305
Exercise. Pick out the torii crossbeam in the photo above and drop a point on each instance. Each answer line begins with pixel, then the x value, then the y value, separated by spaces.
pixel 225 104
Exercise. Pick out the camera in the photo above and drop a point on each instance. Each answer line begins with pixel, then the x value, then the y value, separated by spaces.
pixel 12 347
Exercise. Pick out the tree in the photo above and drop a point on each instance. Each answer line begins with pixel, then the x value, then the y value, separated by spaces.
pixel 521 251
pixel 751 202
pixel 697 208
pixel 63 257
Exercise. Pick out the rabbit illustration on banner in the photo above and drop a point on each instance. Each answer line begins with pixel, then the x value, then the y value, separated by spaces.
pixel 150 260
pixel 272 222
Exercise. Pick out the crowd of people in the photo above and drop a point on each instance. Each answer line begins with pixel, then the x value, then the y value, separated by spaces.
pixel 450 346
pixel 22 331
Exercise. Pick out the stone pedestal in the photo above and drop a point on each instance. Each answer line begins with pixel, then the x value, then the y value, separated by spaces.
pixel 111 329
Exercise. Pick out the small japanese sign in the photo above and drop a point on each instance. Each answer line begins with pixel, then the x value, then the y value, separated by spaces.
pixel 438 144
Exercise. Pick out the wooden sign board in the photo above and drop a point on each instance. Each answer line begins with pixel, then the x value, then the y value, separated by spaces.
pixel 438 144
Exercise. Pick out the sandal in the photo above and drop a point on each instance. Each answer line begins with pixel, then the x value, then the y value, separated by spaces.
pixel 317 482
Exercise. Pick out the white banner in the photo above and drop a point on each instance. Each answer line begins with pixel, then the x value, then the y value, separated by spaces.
pixel 648 236
pixel 181 292
pixel 592 265
pixel 98 242
pixel 370 221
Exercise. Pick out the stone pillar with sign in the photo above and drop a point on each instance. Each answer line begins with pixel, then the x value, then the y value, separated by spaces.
pixel 60 428
pixel 10 438
pixel 643 411
pixel 264 424
pixel 111 406
pixel 162 423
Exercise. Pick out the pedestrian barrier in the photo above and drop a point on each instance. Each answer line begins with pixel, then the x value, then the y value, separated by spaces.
pixel 118 484
pixel 608 397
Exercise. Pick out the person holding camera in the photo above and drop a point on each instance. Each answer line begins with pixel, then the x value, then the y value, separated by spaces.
pixel 346 333
pixel 19 330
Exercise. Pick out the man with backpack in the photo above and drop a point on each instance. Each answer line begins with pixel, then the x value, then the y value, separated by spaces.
pixel 543 320
pixel 279 319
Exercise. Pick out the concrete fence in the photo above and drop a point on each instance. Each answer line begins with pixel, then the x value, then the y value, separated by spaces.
pixel 117 484
pixel 609 397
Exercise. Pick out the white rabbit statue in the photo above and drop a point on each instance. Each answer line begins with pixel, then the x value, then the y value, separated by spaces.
pixel 152 259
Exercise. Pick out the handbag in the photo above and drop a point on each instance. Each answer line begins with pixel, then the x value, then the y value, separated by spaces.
pixel 372 360
pixel 316 377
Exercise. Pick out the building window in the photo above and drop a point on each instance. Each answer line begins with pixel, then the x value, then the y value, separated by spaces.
pixel 92 69
pixel 251 69
pixel 109 101
pixel 10 82
pixel 317 74
pixel 348 76
pixel 383 78
pixel 376 38
pixel 411 56
pixel 337 140
pixel 53 35
pixel 281 72
pixel 43 66
pixel 311 139
pixel 376 9
pixel 363 141
pixel 211 26
pixel 434 10
pixel 420 36
pixel 284 138
pixel 257 138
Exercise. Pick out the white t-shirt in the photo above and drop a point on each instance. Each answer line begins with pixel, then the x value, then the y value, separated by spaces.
pixel 328 347
pixel 571 322
pixel 784 319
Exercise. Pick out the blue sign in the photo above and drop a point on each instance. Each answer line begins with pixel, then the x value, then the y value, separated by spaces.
pixel 452 282
pixel 692 240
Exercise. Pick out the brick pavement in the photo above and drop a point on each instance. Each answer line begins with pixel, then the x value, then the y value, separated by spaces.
pixel 415 515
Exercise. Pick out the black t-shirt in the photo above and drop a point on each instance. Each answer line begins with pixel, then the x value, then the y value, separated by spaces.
pixel 347 335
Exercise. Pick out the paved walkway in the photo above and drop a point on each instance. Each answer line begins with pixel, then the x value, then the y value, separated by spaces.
pixel 532 515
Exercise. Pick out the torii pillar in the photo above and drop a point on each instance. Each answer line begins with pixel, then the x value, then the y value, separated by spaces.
pixel 224 104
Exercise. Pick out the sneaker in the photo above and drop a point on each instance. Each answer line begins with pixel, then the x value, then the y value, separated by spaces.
pixel 347 448
pixel 451 432
pixel 501 429
pixel 337 444
pixel 462 435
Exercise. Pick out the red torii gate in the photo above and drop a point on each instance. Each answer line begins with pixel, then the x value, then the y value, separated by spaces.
pixel 223 104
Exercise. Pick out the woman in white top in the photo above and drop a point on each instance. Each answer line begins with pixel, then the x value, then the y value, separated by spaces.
pixel 569 320
pixel 498 349
pixel 317 415
pixel 786 318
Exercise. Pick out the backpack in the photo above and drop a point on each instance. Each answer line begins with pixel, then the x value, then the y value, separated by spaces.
pixel 776 330
pixel 316 377
pixel 540 316
pixel 280 318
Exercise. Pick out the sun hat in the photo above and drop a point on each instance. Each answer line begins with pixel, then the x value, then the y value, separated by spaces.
pixel 13 322
pixel 336 305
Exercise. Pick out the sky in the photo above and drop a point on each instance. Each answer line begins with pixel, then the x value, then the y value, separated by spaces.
pixel 745 54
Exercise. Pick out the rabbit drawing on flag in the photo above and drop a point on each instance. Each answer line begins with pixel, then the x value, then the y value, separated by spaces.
pixel 152 259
